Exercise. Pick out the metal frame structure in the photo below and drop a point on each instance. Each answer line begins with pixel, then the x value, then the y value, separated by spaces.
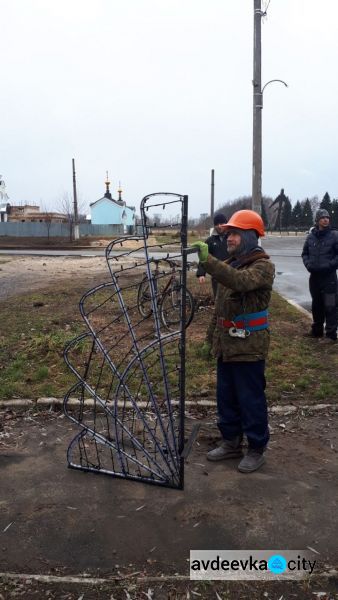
pixel 130 370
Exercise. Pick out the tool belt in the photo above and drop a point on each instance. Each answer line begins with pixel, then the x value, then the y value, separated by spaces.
pixel 242 325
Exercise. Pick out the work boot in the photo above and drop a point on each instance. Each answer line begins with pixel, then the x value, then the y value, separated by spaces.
pixel 227 449
pixel 252 461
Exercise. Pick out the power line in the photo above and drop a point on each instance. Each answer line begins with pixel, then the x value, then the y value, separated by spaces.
pixel 265 10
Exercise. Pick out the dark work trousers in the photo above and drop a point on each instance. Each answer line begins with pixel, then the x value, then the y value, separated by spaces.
pixel 214 286
pixel 323 290
pixel 241 402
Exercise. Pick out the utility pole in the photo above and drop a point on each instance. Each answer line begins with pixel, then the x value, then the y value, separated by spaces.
pixel 257 111
pixel 212 199
pixel 76 216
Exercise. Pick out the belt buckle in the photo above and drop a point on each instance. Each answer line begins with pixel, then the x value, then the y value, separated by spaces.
pixel 239 333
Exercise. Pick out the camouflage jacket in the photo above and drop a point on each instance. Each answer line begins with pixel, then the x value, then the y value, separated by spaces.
pixel 244 289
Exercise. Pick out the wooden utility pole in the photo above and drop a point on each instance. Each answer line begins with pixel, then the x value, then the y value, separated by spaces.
pixel 76 216
pixel 212 198
pixel 257 111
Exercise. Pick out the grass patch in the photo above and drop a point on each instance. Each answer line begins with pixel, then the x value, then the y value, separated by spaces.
pixel 327 390
pixel 32 341
pixel 299 370
pixel 41 373
pixel 173 237
pixel 303 382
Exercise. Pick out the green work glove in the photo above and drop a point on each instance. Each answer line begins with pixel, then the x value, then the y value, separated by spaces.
pixel 205 350
pixel 202 249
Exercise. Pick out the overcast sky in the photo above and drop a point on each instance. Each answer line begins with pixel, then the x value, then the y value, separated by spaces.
pixel 159 92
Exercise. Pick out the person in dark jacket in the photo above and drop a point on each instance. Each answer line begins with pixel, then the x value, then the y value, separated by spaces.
pixel 320 257
pixel 238 337
pixel 217 246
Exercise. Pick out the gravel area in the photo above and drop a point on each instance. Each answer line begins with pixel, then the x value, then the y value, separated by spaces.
pixel 20 274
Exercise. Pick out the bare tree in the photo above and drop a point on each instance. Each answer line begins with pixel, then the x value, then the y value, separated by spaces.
pixel 47 219
pixel 314 202
pixel 67 207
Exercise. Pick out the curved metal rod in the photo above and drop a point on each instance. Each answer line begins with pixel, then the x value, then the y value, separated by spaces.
pixel 271 81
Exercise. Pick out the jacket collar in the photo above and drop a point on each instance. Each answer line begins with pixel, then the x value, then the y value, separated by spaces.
pixel 321 232
pixel 248 259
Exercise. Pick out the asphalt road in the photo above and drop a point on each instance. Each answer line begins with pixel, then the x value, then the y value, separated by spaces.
pixel 291 277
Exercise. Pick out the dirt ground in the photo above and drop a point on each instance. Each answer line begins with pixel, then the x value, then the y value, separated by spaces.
pixel 62 522
pixel 20 273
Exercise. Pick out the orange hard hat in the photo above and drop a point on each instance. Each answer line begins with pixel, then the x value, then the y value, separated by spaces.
pixel 246 219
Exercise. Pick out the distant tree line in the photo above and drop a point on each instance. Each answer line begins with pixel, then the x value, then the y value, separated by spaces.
pixel 279 213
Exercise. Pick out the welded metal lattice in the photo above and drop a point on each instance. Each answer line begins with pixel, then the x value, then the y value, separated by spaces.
pixel 129 365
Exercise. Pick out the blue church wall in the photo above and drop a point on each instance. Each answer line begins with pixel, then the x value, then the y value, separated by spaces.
pixel 105 211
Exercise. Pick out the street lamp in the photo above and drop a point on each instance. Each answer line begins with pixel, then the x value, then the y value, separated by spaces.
pixel 257 145
pixel 257 108
pixel 271 81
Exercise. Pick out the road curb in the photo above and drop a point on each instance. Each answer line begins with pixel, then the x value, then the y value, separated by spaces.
pixel 298 306
pixel 94 581
pixel 74 403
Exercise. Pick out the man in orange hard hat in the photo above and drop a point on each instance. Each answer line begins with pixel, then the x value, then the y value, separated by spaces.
pixel 238 337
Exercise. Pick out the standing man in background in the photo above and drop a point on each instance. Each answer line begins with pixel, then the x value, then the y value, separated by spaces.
pixel 320 257
pixel 217 245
